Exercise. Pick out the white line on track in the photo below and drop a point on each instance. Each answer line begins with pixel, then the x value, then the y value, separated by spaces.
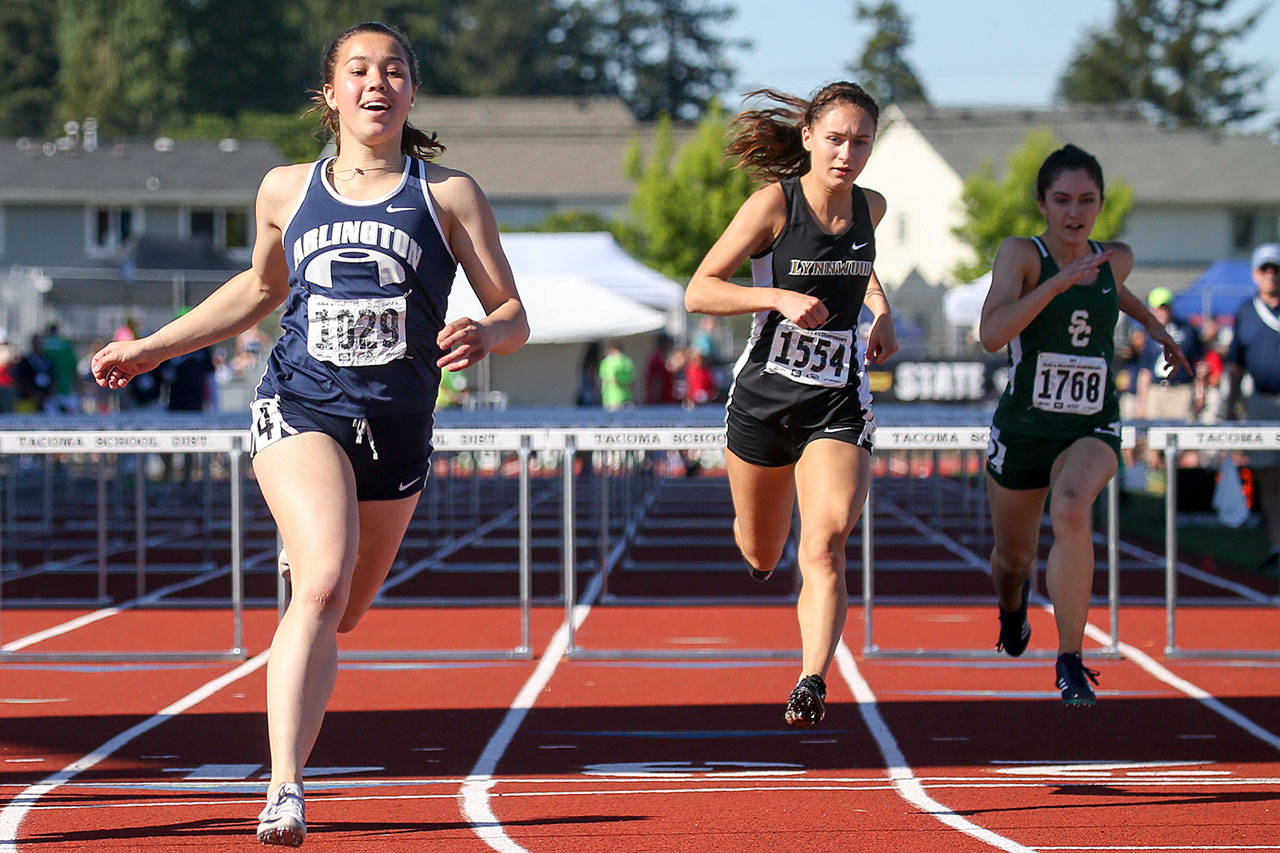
pixel 474 797
pixel 11 817
pixel 1158 671
pixel 900 773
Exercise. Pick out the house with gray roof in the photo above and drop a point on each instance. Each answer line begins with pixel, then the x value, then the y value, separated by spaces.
pixel 536 156
pixel 92 232
pixel 1199 196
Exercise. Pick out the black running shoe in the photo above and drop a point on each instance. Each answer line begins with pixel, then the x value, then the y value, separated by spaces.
pixel 1073 681
pixel 807 705
pixel 757 575
pixel 1015 630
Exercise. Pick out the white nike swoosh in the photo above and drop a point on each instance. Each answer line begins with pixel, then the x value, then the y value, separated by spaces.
pixel 837 429
pixel 857 246
pixel 410 484
pixel 1107 289
pixel 391 209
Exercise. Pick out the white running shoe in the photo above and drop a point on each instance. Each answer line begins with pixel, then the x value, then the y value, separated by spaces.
pixel 284 820
pixel 282 564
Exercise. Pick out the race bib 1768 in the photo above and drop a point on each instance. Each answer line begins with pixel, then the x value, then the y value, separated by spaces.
pixel 1070 384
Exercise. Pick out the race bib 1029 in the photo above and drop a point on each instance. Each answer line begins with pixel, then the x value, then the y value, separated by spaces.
pixel 356 332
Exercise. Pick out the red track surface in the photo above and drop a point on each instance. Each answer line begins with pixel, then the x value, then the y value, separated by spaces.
pixel 654 755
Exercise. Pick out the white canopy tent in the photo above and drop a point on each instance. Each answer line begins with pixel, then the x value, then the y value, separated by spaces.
pixel 596 257
pixel 577 288
pixel 963 304
pixel 565 309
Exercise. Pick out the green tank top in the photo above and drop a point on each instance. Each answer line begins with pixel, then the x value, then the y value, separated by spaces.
pixel 1061 383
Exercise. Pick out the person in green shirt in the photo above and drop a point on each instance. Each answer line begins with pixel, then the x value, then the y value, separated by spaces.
pixel 617 379
pixel 1054 302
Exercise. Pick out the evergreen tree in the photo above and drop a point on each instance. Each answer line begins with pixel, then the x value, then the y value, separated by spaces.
pixel 28 61
pixel 684 199
pixel 118 62
pixel 996 209
pixel 883 69
pixel 663 56
pixel 1171 56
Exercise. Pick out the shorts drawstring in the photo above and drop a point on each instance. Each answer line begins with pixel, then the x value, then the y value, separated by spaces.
pixel 363 430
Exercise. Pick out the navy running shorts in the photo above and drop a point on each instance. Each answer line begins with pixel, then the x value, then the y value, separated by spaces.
pixel 390 456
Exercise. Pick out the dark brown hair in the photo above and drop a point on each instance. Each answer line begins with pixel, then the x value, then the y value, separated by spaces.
pixel 1068 158
pixel 413 142
pixel 767 141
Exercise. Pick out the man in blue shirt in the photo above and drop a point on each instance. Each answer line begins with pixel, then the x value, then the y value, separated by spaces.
pixel 1255 353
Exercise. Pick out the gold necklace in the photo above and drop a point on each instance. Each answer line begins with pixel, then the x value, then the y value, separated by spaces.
pixel 349 174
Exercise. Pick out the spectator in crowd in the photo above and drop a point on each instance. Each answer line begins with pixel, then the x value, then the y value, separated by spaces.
pixel 34 377
pixel 659 380
pixel 589 376
pixel 1254 344
pixel 188 383
pixel 617 378
pixel 1167 392
pixel 8 385
pixel 699 381
pixel 64 397
pixel 453 389
pixel 1214 344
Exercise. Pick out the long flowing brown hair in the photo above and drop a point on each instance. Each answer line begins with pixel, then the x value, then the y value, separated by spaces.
pixel 413 142
pixel 767 140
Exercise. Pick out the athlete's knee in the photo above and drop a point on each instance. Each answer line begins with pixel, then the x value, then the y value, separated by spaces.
pixel 322 601
pixel 1070 511
pixel 823 550
pixel 760 555
pixel 1006 561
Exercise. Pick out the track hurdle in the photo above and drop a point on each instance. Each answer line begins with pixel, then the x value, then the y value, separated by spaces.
pixel 964 439
pixel 573 441
pixel 105 444
pixel 1222 437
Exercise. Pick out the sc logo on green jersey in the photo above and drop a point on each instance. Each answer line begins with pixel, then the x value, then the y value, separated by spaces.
pixel 1080 328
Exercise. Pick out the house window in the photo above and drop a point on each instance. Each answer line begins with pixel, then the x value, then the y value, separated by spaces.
pixel 223 228
pixel 107 228
pixel 1251 227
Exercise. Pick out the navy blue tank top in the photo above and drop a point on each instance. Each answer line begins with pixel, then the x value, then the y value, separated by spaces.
pixel 369 284
pixel 805 375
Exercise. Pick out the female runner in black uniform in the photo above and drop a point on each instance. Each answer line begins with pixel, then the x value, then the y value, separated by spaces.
pixel 361 249
pixel 799 419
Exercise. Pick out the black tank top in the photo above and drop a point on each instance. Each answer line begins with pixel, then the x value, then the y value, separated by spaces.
pixel 802 376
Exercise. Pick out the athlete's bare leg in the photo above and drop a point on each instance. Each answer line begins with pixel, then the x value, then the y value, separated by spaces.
pixel 1015 523
pixel 763 499
pixel 832 479
pixel 309 487
pixel 1078 476
pixel 382 527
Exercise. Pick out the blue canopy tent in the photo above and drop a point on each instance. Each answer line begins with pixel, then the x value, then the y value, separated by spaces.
pixel 1216 293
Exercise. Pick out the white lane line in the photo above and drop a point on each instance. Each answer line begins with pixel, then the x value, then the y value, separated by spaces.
pixel 11 817
pixel 900 773
pixel 1158 671
pixel 474 797
pixel 107 612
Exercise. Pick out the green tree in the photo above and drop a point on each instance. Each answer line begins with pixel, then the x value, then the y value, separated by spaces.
pixel 1173 57
pixel 118 60
pixel 663 56
pixel 883 69
pixel 995 209
pixel 28 61
pixel 683 199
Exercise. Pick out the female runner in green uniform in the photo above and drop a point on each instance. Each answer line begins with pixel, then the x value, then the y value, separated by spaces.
pixel 1054 301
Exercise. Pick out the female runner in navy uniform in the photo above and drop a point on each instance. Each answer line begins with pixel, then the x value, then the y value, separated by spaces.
pixel 799 421
pixel 361 249
pixel 1054 300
